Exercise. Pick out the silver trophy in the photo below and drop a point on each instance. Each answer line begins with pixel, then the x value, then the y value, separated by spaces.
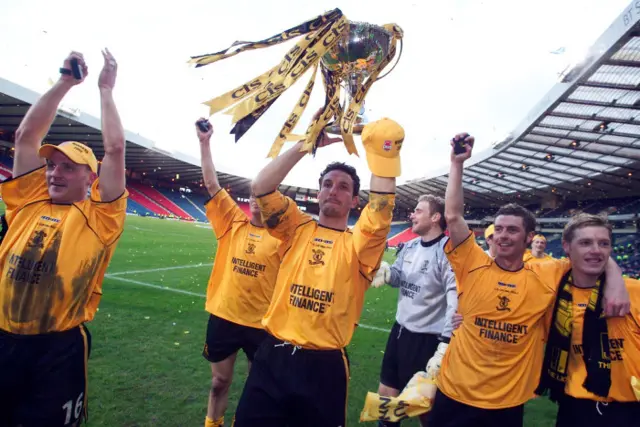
pixel 353 60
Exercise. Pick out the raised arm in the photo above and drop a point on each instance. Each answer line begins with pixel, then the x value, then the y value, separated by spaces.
pixel 36 123
pixel 209 174
pixel 454 198
pixel 272 175
pixel 112 170
pixel 448 279
pixel 383 185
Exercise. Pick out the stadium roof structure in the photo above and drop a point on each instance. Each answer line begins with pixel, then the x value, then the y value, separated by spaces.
pixel 582 140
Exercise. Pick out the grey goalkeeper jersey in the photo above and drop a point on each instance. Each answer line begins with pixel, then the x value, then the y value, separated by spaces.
pixel 428 297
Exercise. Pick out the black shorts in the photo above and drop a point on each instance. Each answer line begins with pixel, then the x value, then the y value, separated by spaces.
pixel 294 387
pixel 44 378
pixel 587 413
pixel 225 338
pixel 447 412
pixel 406 353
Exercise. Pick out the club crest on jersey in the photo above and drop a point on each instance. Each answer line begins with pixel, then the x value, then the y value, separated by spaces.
pixel 317 256
pixel 425 266
pixel 251 249
pixel 503 303
pixel 37 240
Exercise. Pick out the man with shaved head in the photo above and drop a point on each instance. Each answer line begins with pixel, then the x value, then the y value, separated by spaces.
pixel 65 215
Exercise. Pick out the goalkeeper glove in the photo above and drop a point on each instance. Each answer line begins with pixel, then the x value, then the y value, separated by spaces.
pixel 383 275
pixel 433 366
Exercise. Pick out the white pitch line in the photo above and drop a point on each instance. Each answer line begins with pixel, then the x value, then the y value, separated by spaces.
pixel 195 294
pixel 153 270
pixel 151 285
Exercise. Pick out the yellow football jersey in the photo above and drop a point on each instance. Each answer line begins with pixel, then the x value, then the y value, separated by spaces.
pixel 246 264
pixel 53 257
pixel 324 273
pixel 528 257
pixel 495 357
pixel 624 348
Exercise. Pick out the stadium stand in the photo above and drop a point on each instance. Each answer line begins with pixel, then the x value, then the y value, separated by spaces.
pixel 146 202
pixel 181 199
pixel 158 198
pixel 402 237
pixel 136 208
pixel 397 228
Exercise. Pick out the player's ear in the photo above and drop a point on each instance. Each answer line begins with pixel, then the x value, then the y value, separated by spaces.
pixel 354 202
pixel 530 236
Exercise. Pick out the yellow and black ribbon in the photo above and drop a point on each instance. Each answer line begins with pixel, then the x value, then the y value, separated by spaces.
pixel 249 101
pixel 293 32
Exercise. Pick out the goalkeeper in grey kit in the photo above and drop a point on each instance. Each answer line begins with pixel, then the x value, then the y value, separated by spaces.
pixel 427 301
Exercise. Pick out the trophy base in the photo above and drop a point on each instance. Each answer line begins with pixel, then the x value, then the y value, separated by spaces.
pixel 334 129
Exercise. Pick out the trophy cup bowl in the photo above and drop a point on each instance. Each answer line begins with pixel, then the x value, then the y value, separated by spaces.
pixel 354 58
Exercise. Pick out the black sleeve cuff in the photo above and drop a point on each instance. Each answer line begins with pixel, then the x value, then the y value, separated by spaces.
pixel 265 194
pixel 211 198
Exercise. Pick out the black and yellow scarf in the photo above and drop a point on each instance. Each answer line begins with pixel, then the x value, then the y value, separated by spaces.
pixel 595 350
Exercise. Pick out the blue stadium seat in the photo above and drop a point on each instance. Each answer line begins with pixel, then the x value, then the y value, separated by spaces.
pixel 397 229
pixel 138 209
pixel 179 198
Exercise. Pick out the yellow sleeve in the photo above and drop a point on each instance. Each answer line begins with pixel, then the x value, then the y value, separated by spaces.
pixel 222 211
pixel 371 231
pixel 633 287
pixel 19 191
pixel 281 215
pixel 552 270
pixel 106 218
pixel 467 256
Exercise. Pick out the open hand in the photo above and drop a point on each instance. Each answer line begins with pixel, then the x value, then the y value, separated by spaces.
pixel 107 79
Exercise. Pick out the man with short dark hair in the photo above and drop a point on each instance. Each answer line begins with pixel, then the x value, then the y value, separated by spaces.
pixel 54 255
pixel 301 371
pixel 427 301
pixel 494 359
pixel 589 359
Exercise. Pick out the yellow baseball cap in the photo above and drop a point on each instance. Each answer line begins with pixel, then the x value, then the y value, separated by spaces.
pixel 488 232
pixel 76 151
pixel 540 236
pixel 382 140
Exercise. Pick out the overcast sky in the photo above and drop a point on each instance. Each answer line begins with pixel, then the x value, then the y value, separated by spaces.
pixel 468 65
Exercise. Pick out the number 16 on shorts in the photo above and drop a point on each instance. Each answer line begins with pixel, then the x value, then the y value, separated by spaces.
pixel 73 409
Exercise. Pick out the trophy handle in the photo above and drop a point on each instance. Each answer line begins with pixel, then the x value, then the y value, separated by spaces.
pixel 394 65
